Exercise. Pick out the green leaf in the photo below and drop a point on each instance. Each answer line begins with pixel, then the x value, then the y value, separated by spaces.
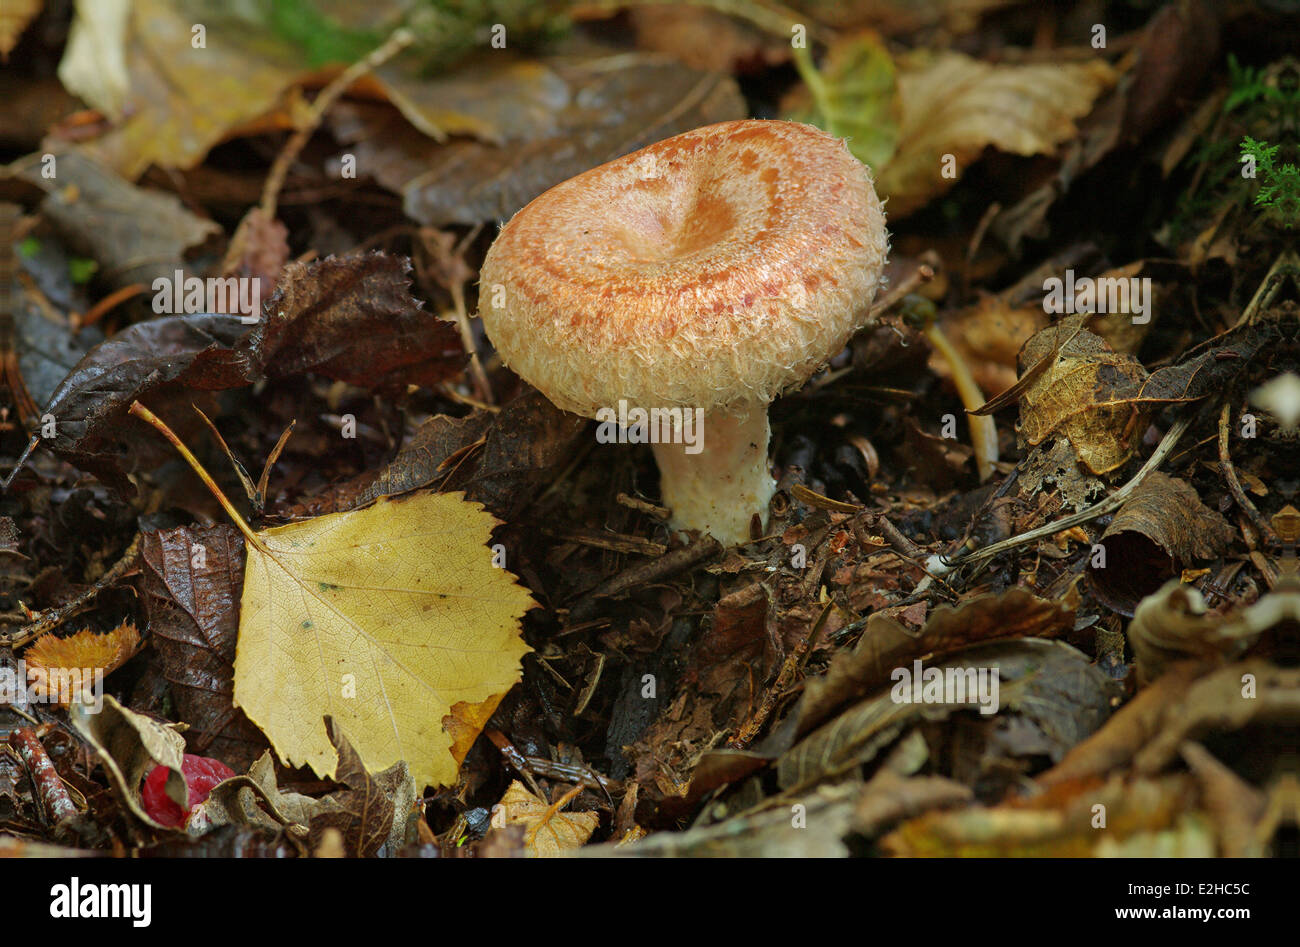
pixel 854 96
pixel 1279 184
pixel 81 269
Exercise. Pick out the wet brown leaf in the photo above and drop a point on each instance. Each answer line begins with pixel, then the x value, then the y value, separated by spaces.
pixel 191 586
pixel 352 319
pixel 161 359
pixel 601 114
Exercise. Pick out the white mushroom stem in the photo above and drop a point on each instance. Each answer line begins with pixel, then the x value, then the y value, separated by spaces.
pixel 720 487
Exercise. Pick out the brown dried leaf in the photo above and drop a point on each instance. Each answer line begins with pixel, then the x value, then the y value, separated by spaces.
pixel 603 114
pixel 1161 529
pixel 546 834
pixel 1224 701
pixel 1049 694
pixel 193 609
pixel 352 319
pixel 1087 395
pixel 1127 731
pixel 373 810
pixel 955 105
pixel 706 39
pixel 130 745
pixel 886 644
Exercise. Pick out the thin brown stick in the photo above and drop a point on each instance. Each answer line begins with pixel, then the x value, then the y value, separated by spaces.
pixel 49 620
pixel 400 39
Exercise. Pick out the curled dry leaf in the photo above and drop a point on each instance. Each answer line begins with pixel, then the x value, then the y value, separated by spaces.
pixel 1162 528
pixel 370 811
pixel 886 644
pixel 1172 625
pixel 129 746
pixel 1223 701
pixel 84 651
pixel 1143 817
pixel 1050 695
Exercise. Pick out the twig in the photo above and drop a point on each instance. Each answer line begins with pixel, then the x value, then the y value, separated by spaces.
pixel 1112 502
pixel 1229 472
pixel 668 564
pixel 49 620
pixel 482 386
pixel 400 39
pixel 54 796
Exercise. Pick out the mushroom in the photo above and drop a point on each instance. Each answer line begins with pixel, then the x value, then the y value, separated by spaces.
pixel 697 278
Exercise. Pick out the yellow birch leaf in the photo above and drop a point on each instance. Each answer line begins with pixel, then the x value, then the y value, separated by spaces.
pixel 15 15
pixel 383 618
